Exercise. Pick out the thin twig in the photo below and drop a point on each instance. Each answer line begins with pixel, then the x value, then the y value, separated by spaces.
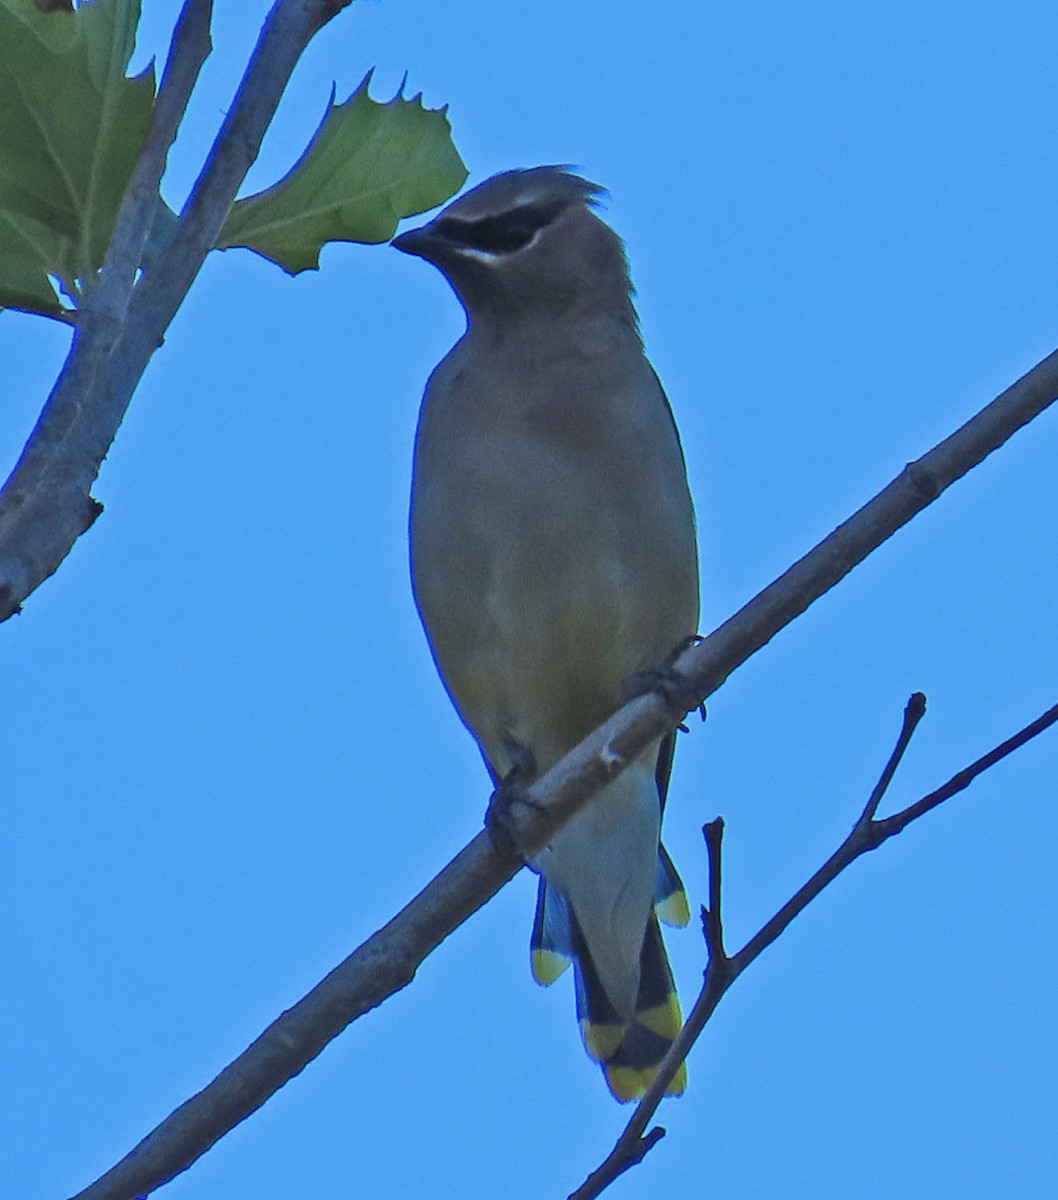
pixel 868 834
pixel 890 826
pixel 917 486
pixel 914 711
pixel 188 51
pixel 616 1165
pixel 712 920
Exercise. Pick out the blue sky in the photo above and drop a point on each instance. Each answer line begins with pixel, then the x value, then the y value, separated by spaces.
pixel 226 756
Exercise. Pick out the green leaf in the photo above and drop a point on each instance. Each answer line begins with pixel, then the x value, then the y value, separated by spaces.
pixel 71 128
pixel 368 165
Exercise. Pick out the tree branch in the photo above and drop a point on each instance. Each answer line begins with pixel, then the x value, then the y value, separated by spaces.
pixel 867 834
pixel 712 917
pixel 388 960
pixel 188 51
pixel 916 487
pixel 384 964
pixel 899 821
pixel 46 504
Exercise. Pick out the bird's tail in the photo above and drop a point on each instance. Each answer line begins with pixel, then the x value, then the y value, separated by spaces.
pixel 628 1051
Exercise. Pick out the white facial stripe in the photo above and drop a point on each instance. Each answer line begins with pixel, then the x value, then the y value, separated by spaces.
pixel 492 256
pixel 485 256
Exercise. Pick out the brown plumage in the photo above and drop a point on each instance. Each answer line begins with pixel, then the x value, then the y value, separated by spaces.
pixel 553 554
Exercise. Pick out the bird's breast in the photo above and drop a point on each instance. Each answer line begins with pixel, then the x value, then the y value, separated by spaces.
pixel 552 551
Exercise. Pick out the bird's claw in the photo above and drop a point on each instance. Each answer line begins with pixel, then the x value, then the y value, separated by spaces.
pixel 501 819
pixel 677 689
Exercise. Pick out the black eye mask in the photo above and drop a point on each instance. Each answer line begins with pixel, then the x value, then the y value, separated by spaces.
pixel 503 233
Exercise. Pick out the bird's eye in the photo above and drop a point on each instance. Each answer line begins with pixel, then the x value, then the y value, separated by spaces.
pixel 503 233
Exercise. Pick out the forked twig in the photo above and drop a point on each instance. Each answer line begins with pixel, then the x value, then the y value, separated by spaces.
pixel 868 833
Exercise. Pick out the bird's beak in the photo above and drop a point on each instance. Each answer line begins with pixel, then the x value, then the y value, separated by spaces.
pixel 415 241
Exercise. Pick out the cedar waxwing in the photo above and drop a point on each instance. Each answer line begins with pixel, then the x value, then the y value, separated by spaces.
pixel 553 554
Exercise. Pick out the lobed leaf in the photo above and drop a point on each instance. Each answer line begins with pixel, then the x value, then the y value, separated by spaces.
pixel 369 164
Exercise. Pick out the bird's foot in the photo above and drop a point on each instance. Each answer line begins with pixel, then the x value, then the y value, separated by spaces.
pixel 502 820
pixel 675 688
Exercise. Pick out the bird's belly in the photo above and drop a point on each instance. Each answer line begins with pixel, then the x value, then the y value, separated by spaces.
pixel 535 658
pixel 541 589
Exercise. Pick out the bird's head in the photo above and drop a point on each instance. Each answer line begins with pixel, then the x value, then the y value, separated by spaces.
pixel 527 243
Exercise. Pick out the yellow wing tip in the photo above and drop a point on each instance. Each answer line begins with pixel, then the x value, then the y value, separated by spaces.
pixel 547 966
pixel 674 910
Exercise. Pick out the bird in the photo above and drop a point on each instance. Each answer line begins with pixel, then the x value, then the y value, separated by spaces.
pixel 553 556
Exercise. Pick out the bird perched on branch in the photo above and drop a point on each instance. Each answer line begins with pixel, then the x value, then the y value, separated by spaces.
pixel 553 555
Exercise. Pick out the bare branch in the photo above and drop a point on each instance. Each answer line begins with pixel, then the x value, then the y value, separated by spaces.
pixel 916 487
pixel 188 51
pixel 384 964
pixel 288 29
pixel 867 834
pixel 621 1159
pixel 914 711
pixel 898 821
pixel 46 503
pixel 712 918
pixel 388 960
